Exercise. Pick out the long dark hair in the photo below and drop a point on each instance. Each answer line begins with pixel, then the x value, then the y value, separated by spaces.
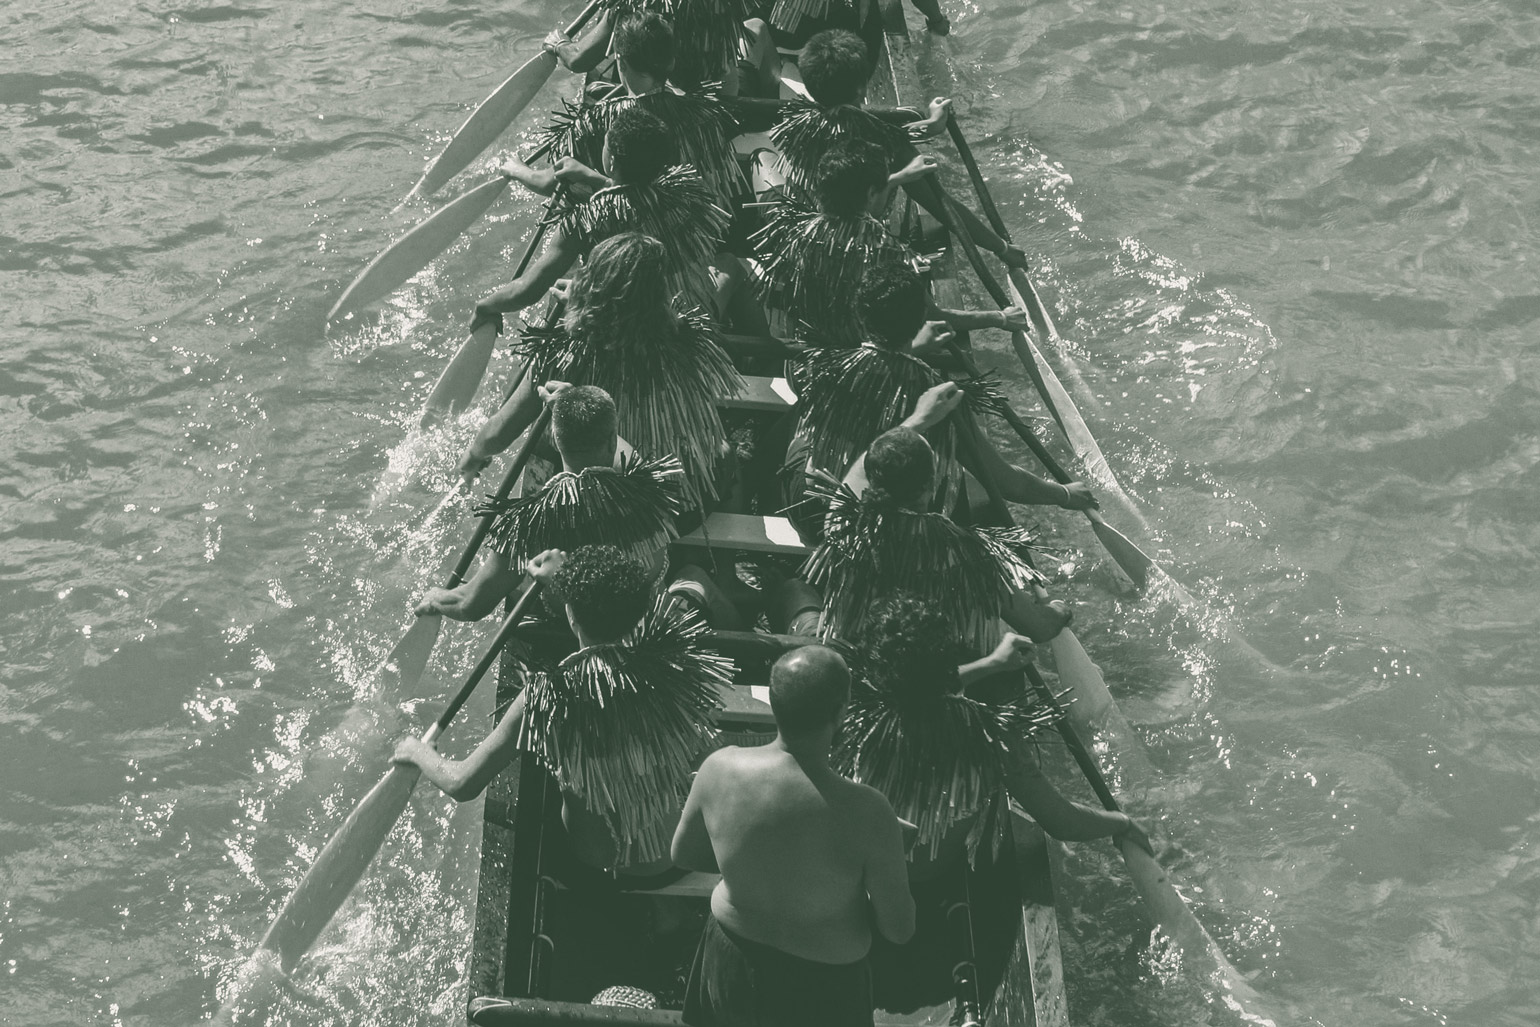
pixel 622 287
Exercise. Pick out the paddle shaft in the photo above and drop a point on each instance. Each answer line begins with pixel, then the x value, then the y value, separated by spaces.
pixel 509 627
pixel 972 436
pixel 510 477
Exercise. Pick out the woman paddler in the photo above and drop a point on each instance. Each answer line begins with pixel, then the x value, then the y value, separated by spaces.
pixel 623 333
pixel 620 724
pixel 881 536
pixel 643 189
pixel 919 731
pixel 604 493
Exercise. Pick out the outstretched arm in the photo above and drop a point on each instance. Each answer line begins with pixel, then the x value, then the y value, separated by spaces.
pixel 473 599
pixel 502 429
pixel 581 56
pixel 1022 486
pixel 463 780
pixel 532 284
pixel 1065 820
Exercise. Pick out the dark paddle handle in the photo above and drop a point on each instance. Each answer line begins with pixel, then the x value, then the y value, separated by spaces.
pixel 488 658
pixel 986 200
pixel 583 17
pixel 1022 428
pixel 484 523
pixel 1088 765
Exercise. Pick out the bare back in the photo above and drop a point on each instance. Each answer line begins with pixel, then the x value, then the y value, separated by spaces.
pixel 795 848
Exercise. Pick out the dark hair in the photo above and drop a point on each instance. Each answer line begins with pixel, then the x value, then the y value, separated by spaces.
pixel 900 468
pixel 607 591
pixel 909 649
pixel 641 146
pixel 808 687
pixel 623 282
pixel 892 303
pixel 583 423
pixel 847 174
pixel 835 67
pixel 646 42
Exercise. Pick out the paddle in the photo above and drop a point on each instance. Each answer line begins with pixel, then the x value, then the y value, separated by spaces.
pixel 410 656
pixel 1133 560
pixel 1160 897
pixel 330 879
pixel 494 114
pixel 457 385
pixel 1025 293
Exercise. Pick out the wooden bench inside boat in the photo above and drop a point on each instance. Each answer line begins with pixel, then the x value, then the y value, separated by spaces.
pixel 753 533
pixel 762 393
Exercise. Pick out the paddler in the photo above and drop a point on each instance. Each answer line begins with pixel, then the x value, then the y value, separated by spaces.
pixel 598 496
pixel 835 68
pixel 811 260
pixel 881 535
pixel 847 397
pixel 700 124
pixel 619 724
pixel 623 332
pixel 811 862
pixel 643 189
pixel 919 730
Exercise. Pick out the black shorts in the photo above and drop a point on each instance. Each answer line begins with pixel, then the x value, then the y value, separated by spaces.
pixel 735 982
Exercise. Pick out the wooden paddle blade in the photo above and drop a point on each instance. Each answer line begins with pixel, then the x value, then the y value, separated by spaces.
pixel 416 249
pixel 461 379
pixel 339 867
pixel 1134 561
pixel 402 670
pixel 488 121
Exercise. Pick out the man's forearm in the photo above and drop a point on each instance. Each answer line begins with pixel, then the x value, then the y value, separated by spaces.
pixel 972 320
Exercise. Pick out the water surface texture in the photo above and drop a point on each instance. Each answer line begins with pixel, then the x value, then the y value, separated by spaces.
pixel 1289 243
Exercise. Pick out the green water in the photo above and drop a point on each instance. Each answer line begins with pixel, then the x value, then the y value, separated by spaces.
pixel 1289 246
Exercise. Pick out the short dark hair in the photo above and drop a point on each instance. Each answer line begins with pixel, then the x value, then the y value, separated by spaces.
pixel 892 302
pixel 646 42
pixel 846 175
pixel 909 649
pixel 583 421
pixel 835 67
pixel 607 590
pixel 900 468
pixel 641 146
pixel 808 687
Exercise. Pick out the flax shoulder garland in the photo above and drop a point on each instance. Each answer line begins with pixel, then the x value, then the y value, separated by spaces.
pixel 676 208
pixel 848 397
pixel 621 726
pixel 871 548
pixel 632 509
pixel 939 759
pixel 706 32
pixel 807 130
pixel 701 124
pixel 665 378
pixel 811 266
pixel 787 15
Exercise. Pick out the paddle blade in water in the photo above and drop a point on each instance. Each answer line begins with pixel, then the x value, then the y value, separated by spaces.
pixel 1135 563
pixel 417 248
pixel 461 379
pixel 487 122
pixel 402 670
pixel 339 867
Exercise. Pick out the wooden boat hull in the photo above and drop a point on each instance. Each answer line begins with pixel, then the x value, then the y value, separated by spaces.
pixel 550 934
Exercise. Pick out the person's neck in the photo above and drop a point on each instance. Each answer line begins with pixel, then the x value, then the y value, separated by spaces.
pixel 576 464
pixel 811 751
pixel 587 639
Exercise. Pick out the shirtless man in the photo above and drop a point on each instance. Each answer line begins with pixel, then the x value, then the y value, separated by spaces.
pixel 811 864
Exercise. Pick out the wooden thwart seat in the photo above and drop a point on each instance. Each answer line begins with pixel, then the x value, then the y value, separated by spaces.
pixel 773 395
pixel 751 533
